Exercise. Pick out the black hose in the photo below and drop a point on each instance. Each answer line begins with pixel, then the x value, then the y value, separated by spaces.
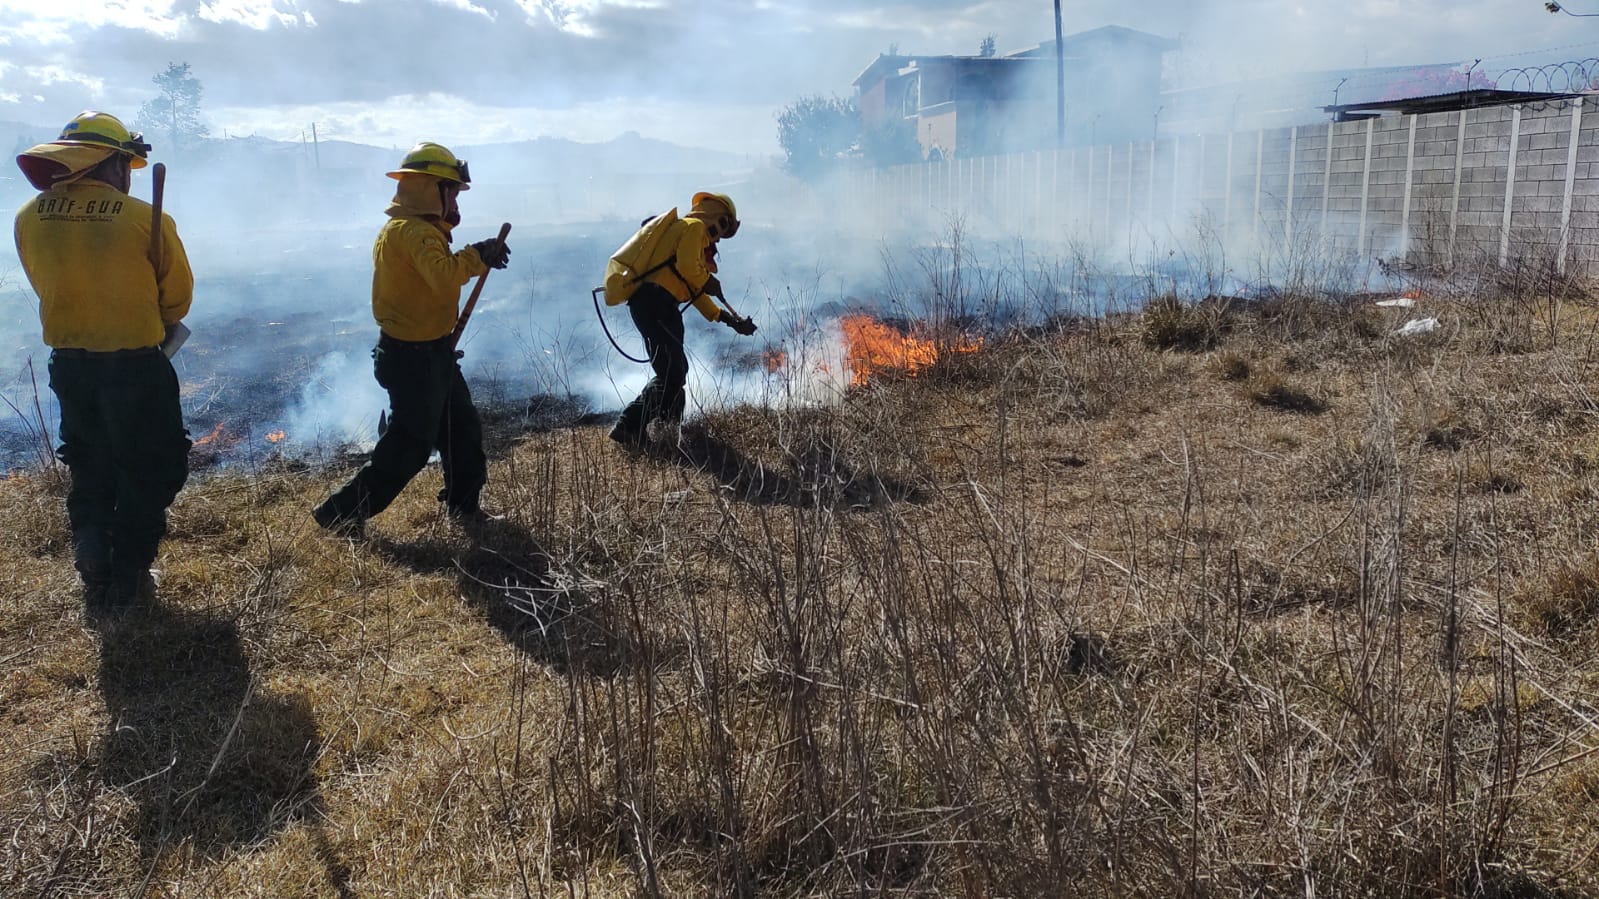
pixel 606 328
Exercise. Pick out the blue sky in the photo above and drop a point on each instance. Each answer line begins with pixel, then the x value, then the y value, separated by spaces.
pixel 698 72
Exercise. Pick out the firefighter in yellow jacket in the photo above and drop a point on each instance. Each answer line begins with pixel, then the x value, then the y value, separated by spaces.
pixel 685 272
pixel 106 304
pixel 416 294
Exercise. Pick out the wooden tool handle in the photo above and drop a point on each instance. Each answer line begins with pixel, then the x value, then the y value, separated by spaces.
pixel 158 179
pixel 477 290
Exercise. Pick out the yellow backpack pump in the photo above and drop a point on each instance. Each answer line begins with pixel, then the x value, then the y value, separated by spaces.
pixel 631 263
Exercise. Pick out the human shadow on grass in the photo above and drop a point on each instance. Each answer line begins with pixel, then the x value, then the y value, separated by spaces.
pixel 819 477
pixel 212 761
pixel 504 575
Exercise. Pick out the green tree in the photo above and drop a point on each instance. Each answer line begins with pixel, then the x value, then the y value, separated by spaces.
pixel 987 48
pixel 892 143
pixel 176 112
pixel 817 133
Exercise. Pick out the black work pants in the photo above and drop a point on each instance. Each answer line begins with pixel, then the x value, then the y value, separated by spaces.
pixel 123 440
pixel 659 320
pixel 429 408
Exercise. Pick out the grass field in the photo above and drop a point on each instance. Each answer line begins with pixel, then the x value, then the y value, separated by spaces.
pixel 1215 600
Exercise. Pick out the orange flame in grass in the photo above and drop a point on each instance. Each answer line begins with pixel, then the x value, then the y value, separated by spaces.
pixel 774 359
pixel 275 436
pixel 216 432
pixel 872 347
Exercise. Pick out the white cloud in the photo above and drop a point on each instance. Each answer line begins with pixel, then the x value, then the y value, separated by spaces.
pixel 55 21
pixel 258 15
pixel 45 76
pixel 467 6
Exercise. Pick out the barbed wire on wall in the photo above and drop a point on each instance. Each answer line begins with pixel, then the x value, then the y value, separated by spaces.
pixel 1569 77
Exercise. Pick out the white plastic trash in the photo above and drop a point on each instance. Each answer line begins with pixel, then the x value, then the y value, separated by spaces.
pixel 1397 302
pixel 1417 326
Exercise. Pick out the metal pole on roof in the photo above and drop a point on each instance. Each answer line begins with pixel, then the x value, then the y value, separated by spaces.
pixel 1060 81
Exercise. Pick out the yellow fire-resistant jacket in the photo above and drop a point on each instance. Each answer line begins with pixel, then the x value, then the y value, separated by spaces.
pixel 685 279
pixel 416 280
pixel 85 247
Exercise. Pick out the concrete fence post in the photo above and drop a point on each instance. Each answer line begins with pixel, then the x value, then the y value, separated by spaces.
pixel 1365 188
pixel 1510 185
pixel 1288 209
pixel 1454 203
pixel 1260 150
pixel 1149 201
pixel 1410 176
pixel 1326 183
pixel 1130 146
pixel 1571 183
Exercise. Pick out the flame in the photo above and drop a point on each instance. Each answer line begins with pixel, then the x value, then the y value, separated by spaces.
pixel 872 347
pixel 774 359
pixel 216 432
pixel 275 436
pixel 1413 294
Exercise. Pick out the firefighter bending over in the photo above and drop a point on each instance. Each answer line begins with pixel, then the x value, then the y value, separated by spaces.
pixel 106 303
pixel 416 294
pixel 677 265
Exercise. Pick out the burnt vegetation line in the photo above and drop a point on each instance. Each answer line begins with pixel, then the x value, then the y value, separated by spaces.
pixel 1301 605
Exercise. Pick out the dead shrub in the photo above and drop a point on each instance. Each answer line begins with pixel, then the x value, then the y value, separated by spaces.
pixel 1355 467
pixel 1487 478
pixel 1448 431
pixel 1567 601
pixel 1273 392
pixel 1170 324
pixel 1230 366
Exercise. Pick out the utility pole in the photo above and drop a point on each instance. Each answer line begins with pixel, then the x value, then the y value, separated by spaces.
pixel 1060 82
pixel 316 149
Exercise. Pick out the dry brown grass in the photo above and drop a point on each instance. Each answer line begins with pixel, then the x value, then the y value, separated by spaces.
pixel 1096 623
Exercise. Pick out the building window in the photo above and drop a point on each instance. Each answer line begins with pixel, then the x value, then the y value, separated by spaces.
pixel 911 103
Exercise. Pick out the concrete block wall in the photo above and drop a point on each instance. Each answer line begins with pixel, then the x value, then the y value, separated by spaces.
pixel 1494 183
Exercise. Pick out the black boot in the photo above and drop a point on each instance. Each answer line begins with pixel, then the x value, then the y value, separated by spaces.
pixel 630 437
pixel 91 548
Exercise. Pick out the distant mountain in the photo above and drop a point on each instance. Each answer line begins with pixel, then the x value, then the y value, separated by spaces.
pixel 543 159
pixel 630 152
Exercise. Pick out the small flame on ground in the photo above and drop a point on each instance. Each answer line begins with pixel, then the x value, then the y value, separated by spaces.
pixel 275 436
pixel 211 437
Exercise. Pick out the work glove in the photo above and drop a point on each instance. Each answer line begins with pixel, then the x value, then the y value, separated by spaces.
pixel 738 323
pixel 493 252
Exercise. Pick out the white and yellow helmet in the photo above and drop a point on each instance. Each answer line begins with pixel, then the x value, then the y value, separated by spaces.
pixel 428 158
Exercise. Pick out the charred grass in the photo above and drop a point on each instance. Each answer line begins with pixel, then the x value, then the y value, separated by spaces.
pixel 1086 615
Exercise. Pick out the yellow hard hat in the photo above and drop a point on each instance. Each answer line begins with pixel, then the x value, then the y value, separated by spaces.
pixel 724 222
pixel 90 127
pixel 428 158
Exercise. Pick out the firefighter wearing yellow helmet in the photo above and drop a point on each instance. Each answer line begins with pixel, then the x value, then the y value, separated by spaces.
pixel 105 303
pixel 416 295
pixel 680 268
